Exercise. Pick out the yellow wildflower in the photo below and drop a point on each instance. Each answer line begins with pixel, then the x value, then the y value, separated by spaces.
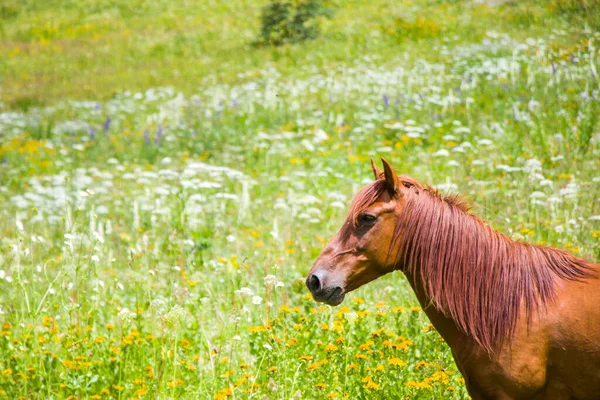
pixel 396 361
pixel 330 348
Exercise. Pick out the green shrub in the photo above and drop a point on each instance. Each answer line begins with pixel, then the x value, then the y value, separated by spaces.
pixel 294 21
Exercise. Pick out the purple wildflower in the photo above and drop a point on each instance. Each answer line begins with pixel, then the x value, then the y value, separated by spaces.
pixel 146 136
pixel 159 133
pixel 92 132
pixel 106 125
pixel 386 101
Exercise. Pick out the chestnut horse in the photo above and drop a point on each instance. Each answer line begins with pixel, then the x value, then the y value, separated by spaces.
pixel 522 320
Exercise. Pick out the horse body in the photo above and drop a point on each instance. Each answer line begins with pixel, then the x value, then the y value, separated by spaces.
pixel 522 321
pixel 554 356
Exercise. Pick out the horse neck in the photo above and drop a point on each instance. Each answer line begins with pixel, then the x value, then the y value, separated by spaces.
pixel 458 341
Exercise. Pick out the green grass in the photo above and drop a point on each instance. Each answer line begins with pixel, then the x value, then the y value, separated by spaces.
pixel 93 49
pixel 134 264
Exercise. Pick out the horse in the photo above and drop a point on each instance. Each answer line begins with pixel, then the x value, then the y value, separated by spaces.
pixel 522 320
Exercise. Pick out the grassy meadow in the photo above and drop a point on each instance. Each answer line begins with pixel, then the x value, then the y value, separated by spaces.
pixel 166 185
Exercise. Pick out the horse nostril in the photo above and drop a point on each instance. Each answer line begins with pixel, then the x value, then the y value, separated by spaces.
pixel 313 283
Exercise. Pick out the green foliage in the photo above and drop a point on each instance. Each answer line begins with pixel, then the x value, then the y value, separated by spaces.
pixel 139 264
pixel 284 22
pixel 578 11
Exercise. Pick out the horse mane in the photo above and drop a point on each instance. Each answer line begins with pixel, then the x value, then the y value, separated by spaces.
pixel 473 274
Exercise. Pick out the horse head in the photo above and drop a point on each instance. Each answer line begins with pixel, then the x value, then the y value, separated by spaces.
pixel 363 249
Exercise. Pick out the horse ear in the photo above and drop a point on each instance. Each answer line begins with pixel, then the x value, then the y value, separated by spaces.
pixel 393 183
pixel 376 171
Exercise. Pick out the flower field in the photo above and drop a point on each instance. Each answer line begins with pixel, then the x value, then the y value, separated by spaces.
pixel 155 240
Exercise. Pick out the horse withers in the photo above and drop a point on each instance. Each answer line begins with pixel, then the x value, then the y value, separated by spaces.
pixel 522 320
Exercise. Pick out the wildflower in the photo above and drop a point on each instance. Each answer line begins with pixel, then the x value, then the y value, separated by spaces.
pixel 270 280
pixel 367 345
pixel 305 358
pixel 142 391
pixel 244 292
pixel 321 385
pixel 351 316
pixel 223 393
pixel 272 369
pixel 422 364
pixel 330 348
pixel 439 376
pixel 150 373
pixel 372 385
pixel 396 361
pixel 418 385
pixel 256 300
pixel 257 328
pixel 379 368
pixel 313 366
pixel 175 383
pixel 175 315
pixel 352 366
pixel 358 300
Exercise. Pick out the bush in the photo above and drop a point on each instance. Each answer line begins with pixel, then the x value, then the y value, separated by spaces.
pixel 294 21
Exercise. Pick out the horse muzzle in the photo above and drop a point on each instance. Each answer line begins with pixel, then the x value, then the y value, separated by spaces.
pixel 321 292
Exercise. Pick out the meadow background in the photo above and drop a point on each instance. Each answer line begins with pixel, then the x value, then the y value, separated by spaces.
pixel 165 185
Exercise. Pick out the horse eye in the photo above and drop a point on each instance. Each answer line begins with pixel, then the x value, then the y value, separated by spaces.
pixel 365 219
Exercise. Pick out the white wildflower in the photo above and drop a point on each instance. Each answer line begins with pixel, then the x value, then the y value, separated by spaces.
pixel 537 195
pixel 351 316
pixel 126 315
pixel 256 300
pixel 245 291
pixel 175 315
